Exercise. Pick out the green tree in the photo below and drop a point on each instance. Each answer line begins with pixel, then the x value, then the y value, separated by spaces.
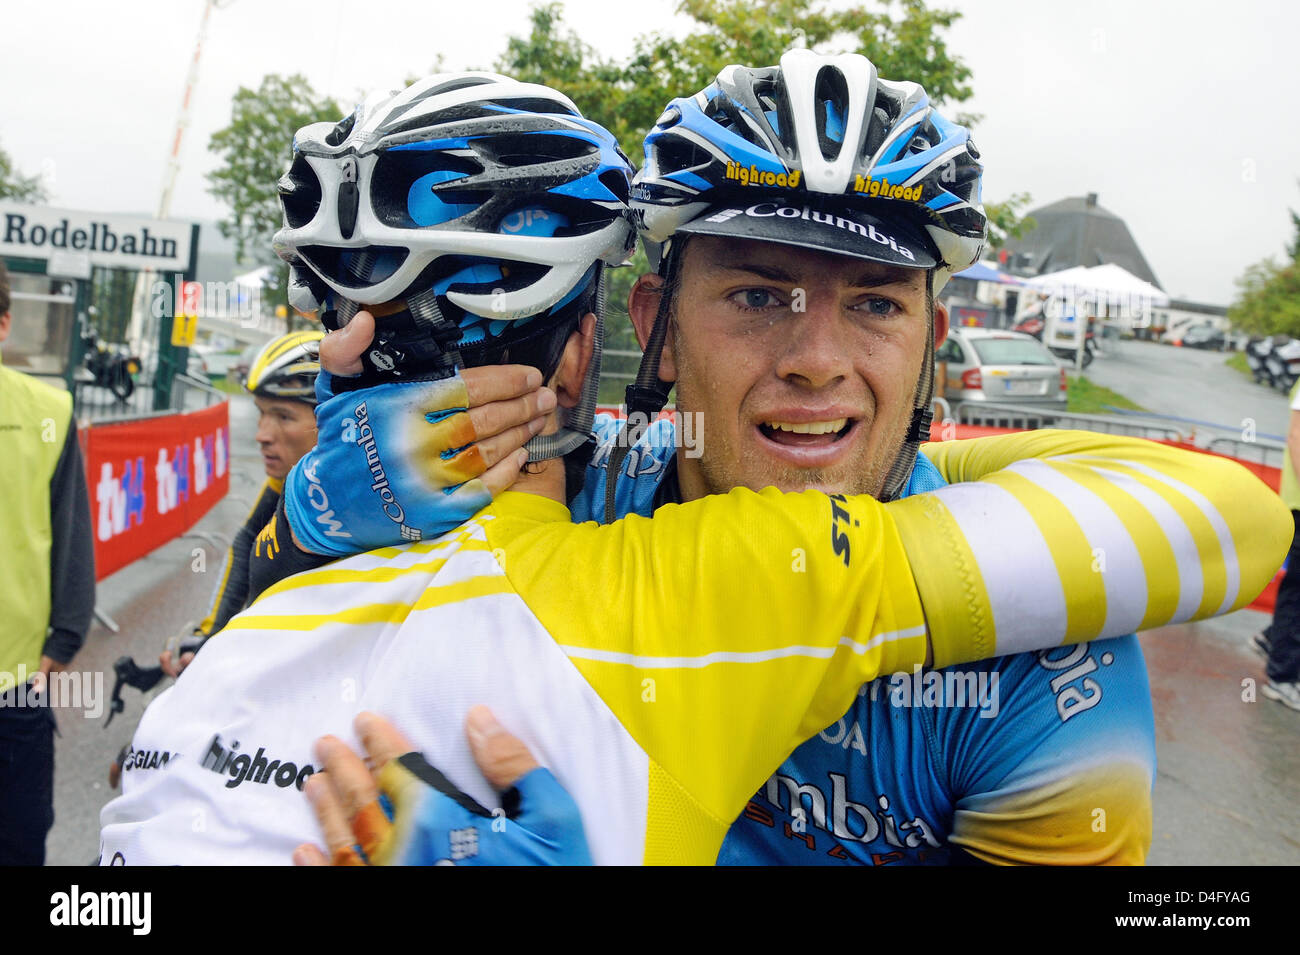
pixel 1268 299
pixel 902 38
pixel 255 149
pixel 1268 302
pixel 16 187
pixel 1005 220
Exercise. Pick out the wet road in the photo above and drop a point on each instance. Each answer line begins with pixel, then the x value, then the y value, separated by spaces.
pixel 1228 784
pixel 1190 383
pixel 1228 764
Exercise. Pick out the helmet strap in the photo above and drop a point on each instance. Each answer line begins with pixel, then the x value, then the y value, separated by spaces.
pixel 576 423
pixel 922 413
pixel 648 394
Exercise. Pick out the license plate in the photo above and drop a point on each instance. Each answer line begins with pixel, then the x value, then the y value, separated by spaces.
pixel 1023 387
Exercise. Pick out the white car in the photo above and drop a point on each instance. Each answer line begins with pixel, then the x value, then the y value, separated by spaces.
pixel 988 365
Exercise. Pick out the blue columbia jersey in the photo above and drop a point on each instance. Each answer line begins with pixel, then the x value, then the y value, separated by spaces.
pixel 1033 758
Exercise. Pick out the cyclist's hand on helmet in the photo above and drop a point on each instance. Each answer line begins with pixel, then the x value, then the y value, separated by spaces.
pixel 406 461
pixel 427 821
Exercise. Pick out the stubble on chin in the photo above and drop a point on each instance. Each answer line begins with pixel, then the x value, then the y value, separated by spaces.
pixel 754 469
pixel 722 468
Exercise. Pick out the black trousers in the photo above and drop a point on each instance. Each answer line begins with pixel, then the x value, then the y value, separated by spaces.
pixel 1284 633
pixel 26 781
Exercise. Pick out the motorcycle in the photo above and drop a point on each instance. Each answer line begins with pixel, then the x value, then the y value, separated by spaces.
pixel 1283 364
pixel 113 368
pixel 1257 351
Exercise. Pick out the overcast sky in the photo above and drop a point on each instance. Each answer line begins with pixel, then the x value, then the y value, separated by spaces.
pixel 1182 116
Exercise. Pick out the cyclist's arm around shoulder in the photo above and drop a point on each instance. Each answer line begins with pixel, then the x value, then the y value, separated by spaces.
pixel 1057 537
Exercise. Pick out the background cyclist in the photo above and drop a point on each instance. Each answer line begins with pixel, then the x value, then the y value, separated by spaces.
pixel 282 381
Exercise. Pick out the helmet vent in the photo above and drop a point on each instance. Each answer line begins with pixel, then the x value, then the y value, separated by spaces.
pixel 832 96
pixel 531 148
pixel 877 130
pixel 397 170
pixel 678 154
pixel 302 199
pixel 727 114
pixel 616 182
pixel 533 105
pixel 329 261
pixel 340 132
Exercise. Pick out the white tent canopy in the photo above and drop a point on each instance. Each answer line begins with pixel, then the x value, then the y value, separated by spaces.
pixel 1104 281
pixel 1105 291
pixel 1069 278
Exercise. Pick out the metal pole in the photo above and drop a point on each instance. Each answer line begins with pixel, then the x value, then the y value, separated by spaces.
pixel 143 279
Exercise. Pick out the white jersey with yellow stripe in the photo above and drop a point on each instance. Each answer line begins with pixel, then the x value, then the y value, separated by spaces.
pixel 663 668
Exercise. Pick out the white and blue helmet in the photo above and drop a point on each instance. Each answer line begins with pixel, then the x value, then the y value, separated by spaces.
pixel 482 208
pixel 820 130
pixel 495 199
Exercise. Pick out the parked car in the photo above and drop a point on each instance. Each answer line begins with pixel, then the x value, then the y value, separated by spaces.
pixel 1000 366
pixel 1203 336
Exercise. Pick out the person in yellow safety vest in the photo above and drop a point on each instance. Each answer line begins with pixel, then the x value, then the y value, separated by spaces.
pixel 47 592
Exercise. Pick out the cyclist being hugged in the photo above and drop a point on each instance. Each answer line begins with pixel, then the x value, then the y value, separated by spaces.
pixel 699 648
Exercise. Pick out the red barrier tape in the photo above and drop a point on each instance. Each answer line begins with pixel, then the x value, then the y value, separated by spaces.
pixel 151 480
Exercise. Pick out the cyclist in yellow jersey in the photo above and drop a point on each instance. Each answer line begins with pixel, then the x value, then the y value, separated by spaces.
pixel 1021 784
pixel 697 649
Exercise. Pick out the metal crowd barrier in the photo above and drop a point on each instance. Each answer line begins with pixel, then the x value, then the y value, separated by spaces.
pixel 1264 451
pixel 1221 439
pixel 1031 418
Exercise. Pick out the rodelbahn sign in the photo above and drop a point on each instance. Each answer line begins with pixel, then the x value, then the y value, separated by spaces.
pixel 112 241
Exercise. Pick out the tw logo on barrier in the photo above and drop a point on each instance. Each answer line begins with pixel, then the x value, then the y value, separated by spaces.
pixel 173 474
pixel 120 498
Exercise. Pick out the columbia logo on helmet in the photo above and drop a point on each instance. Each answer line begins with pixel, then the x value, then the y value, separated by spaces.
pixel 766 210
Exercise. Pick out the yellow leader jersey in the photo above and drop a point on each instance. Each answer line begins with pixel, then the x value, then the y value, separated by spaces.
pixel 663 668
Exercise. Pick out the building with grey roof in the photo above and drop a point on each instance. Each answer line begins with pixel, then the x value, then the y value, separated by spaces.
pixel 1076 231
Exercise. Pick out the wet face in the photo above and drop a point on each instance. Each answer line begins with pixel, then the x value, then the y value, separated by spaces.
pixel 285 432
pixel 803 365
